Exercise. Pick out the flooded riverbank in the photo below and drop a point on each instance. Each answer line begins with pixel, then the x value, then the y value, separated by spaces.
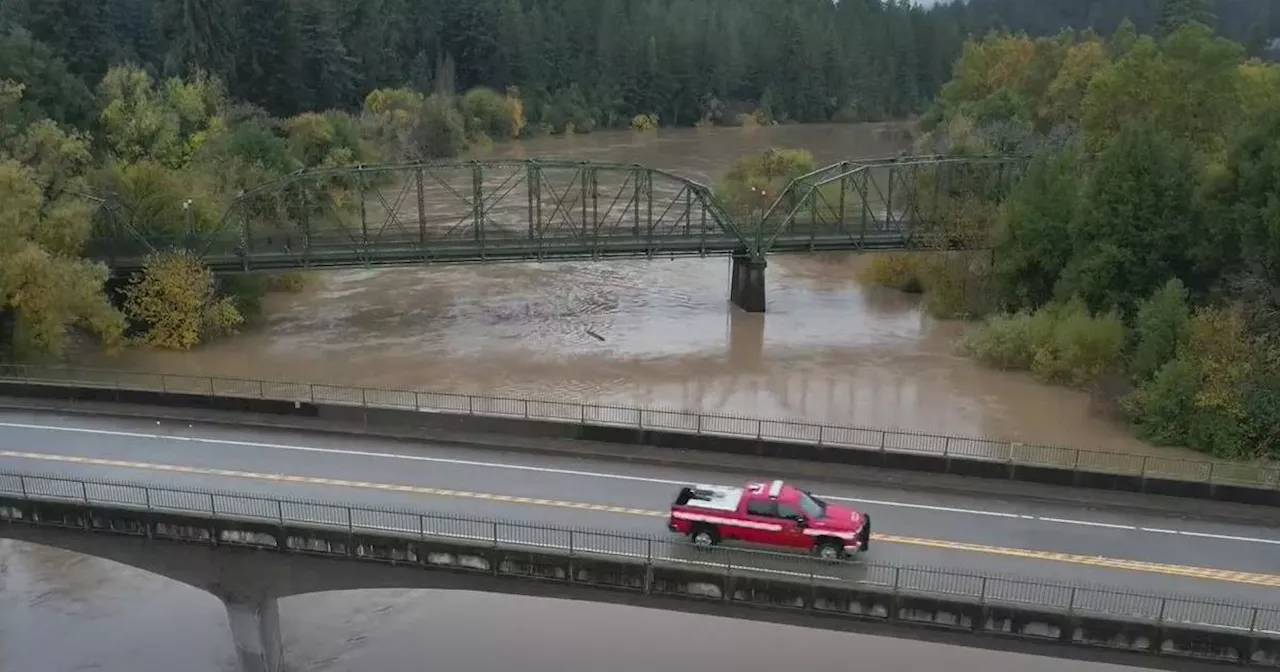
pixel 655 333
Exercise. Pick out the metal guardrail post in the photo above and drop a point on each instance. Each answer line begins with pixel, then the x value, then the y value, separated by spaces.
pixel 422 526
pixel 280 511
pixel 1253 620
pixel 1142 472
pixel 897 572
pixel 982 594
pixel 22 483
pixel 212 508
pixel 471 405
pixel 146 497
pixel 1071 602
pixel 571 543
pixel 311 389
pixel 1160 618
pixel 1213 467
pixel 364 400
pixel 163 386
pixel 759 429
pixel 351 526
pixel 495 534
pixel 262 389
pixel 946 446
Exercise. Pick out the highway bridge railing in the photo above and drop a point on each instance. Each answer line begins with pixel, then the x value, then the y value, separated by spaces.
pixel 968 456
pixel 648 550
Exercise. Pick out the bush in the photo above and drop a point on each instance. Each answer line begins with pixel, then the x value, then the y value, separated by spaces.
pixel 174 301
pixel 1010 342
pixel 1081 347
pixel 1164 406
pixel 895 270
pixel 955 285
pixel 489 114
pixel 1059 344
pixel 754 182
pixel 440 131
pixel 1161 329
pixel 644 122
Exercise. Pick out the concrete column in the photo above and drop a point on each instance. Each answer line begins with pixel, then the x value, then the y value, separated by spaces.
pixel 746 283
pixel 255 629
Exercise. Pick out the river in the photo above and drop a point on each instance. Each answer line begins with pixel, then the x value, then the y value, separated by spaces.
pixel 829 350
pixel 62 613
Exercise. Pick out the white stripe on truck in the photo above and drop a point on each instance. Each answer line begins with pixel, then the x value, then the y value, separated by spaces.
pixel 728 522
pixel 752 525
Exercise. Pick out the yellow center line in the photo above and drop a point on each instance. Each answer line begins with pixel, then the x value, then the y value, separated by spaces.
pixel 1250 578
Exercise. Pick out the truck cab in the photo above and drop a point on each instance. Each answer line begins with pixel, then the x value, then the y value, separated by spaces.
pixel 771 514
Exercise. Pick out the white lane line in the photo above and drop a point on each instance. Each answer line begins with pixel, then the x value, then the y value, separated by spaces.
pixel 603 475
pixel 1068 521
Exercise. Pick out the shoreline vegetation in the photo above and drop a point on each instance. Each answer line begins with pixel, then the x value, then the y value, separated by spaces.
pixel 1136 260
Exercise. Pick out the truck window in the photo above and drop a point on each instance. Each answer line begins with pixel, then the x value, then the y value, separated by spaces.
pixel 762 507
pixel 788 511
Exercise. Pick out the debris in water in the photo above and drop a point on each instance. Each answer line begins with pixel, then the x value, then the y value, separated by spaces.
pixel 598 337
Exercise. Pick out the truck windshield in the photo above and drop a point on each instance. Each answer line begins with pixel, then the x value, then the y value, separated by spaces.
pixel 811 508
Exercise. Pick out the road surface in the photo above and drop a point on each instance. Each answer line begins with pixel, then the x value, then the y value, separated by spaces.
pixel 1138 552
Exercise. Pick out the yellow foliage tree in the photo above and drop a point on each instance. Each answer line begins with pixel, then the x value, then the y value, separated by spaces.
pixel 174 298
pixel 1062 100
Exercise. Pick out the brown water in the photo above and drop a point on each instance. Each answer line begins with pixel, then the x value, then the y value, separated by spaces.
pixel 61 612
pixel 828 350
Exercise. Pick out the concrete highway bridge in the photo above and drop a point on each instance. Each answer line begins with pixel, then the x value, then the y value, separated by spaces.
pixel 548 210
pixel 255 515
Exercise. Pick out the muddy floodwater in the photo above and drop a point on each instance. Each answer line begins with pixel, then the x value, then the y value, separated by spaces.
pixel 655 333
pixel 62 612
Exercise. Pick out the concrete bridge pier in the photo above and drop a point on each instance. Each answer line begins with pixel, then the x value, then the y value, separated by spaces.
pixel 255 629
pixel 746 283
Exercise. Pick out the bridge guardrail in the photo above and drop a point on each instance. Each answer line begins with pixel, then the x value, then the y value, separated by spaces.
pixel 1077 599
pixel 685 422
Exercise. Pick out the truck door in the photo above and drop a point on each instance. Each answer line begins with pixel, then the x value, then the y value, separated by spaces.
pixel 762 513
pixel 792 531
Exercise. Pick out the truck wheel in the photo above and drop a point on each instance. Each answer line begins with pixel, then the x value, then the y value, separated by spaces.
pixel 704 536
pixel 829 550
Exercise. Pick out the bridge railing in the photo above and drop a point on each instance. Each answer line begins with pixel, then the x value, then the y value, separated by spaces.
pixel 991 589
pixel 852 437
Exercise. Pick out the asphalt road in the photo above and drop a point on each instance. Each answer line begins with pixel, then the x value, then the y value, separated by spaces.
pixel 1129 551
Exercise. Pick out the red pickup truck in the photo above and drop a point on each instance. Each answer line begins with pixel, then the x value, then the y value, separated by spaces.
pixel 769 514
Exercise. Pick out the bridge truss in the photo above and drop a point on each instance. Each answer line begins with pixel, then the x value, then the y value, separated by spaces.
pixel 528 210
pixel 455 212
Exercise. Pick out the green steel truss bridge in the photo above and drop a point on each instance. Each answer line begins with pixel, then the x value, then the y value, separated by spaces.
pixel 547 210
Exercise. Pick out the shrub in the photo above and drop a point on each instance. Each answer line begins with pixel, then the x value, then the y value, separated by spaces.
pixel 1164 406
pixel 490 114
pixel 1059 344
pixel 440 131
pixel 644 122
pixel 955 285
pixel 173 299
pixel 1081 347
pixel 895 270
pixel 1009 342
pixel 1161 329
